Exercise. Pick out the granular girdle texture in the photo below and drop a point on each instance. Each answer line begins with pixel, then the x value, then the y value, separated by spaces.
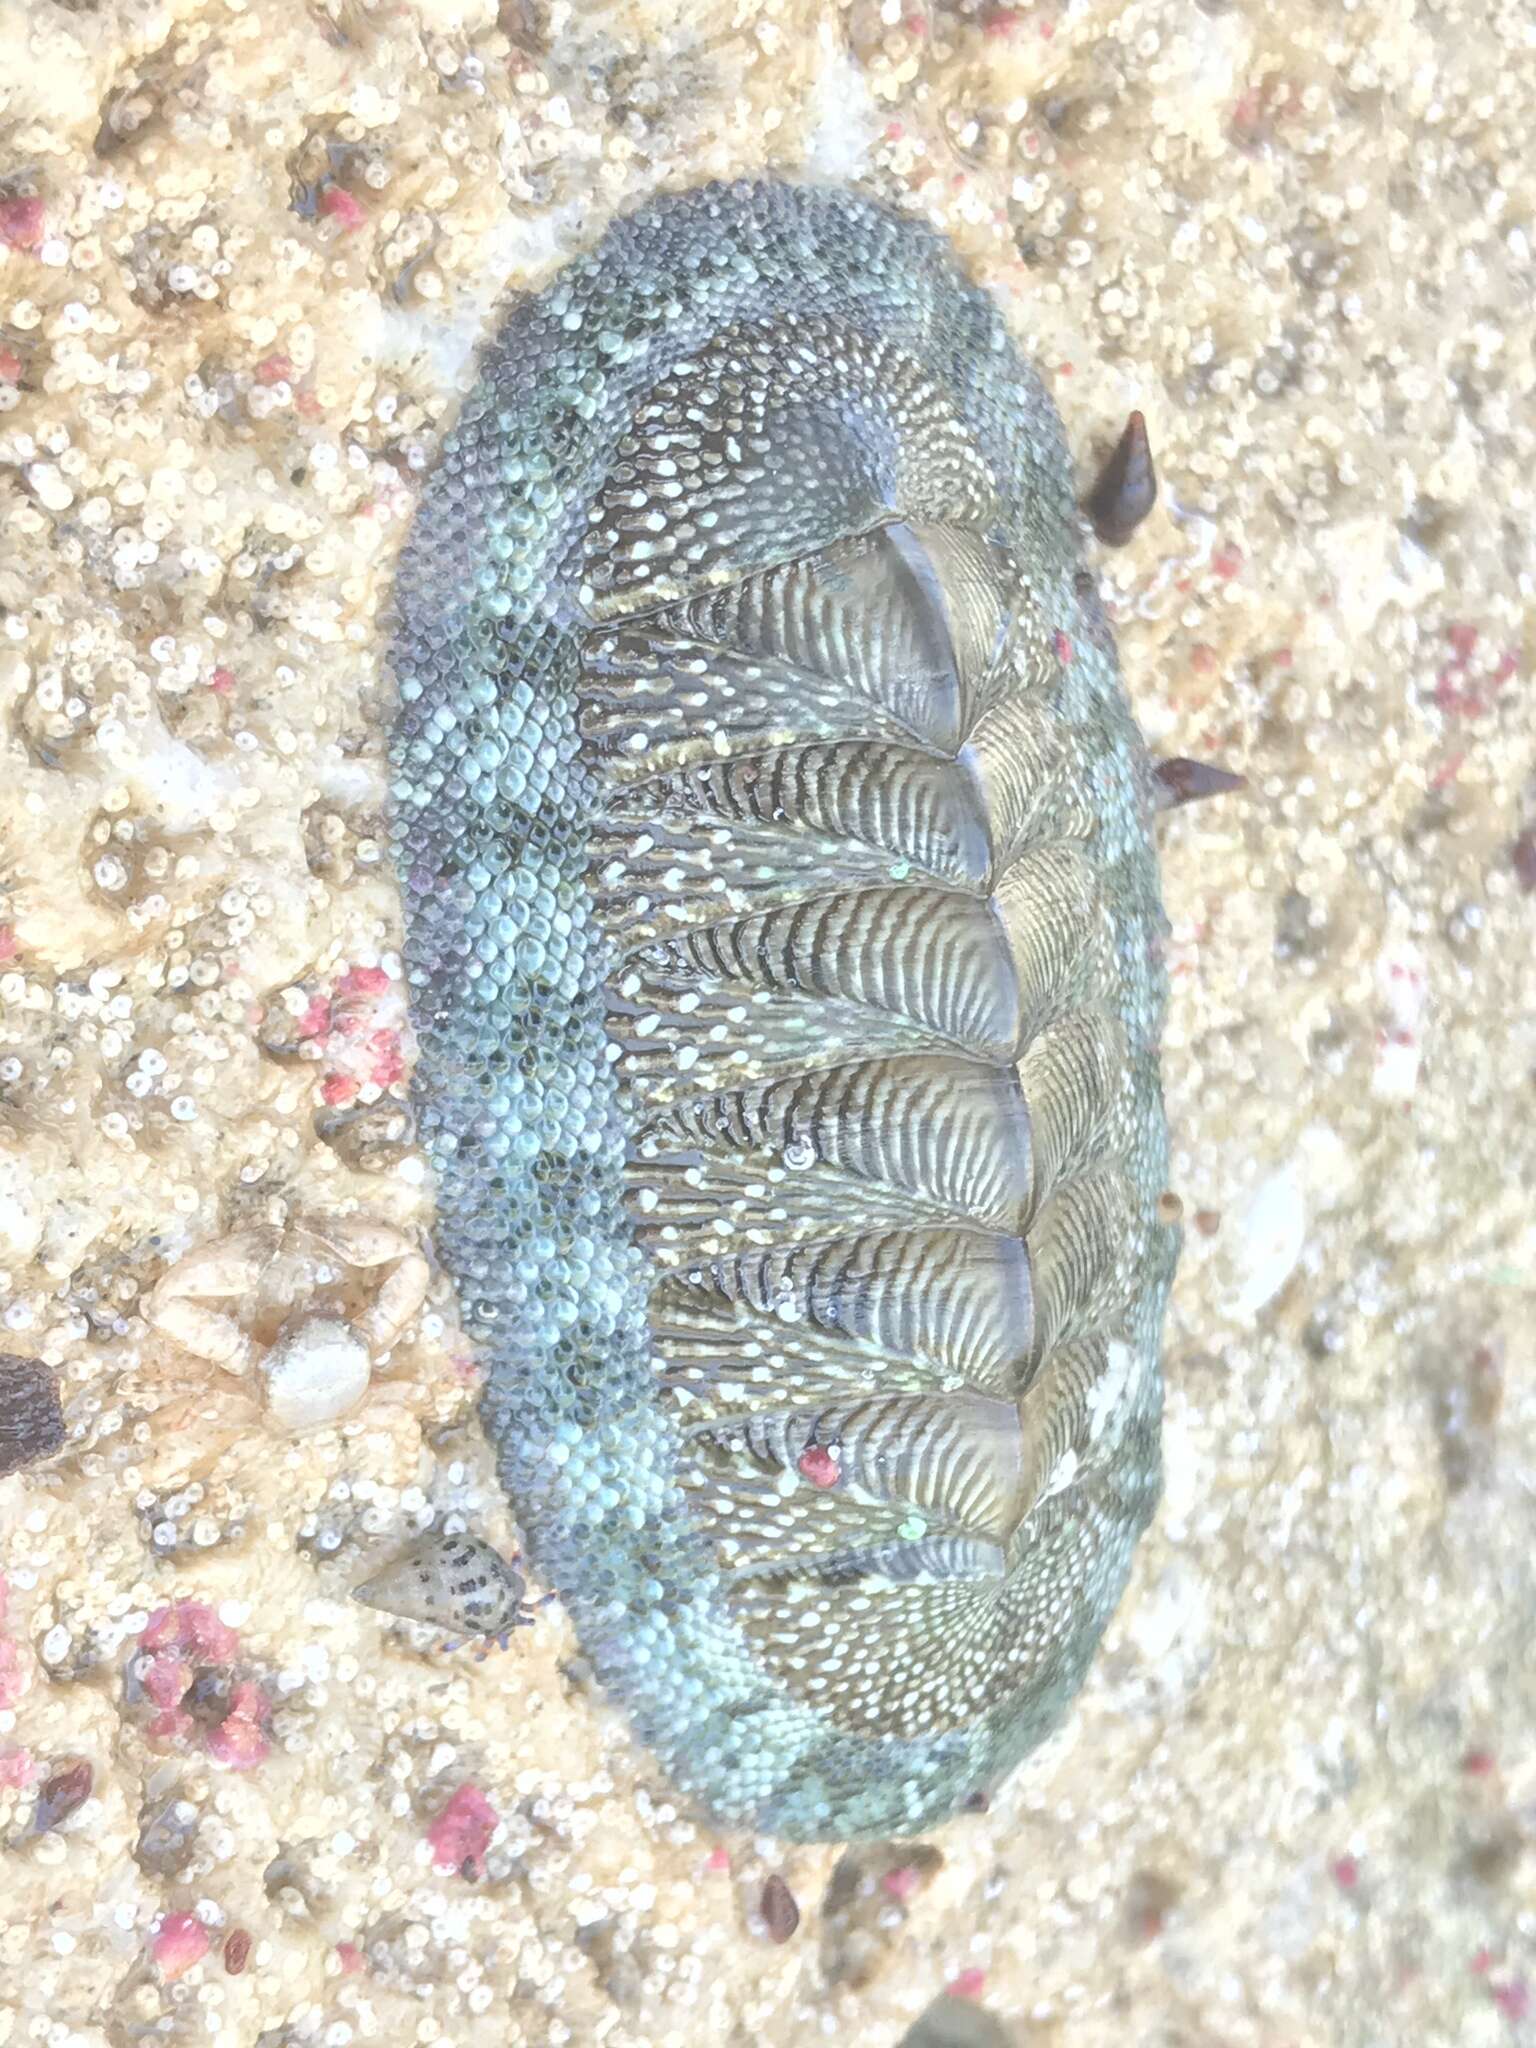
pixel 783 934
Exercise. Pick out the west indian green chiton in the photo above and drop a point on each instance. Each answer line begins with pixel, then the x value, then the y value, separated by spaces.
pixel 783 932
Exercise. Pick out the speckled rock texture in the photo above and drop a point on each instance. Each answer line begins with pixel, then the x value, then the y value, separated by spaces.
pixel 247 256
pixel 786 957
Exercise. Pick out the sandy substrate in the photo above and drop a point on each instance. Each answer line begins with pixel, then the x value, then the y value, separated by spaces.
pixel 246 251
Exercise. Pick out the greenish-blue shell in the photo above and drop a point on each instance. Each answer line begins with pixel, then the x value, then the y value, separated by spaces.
pixel 783 935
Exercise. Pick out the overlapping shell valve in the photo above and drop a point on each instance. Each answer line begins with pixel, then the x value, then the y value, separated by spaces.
pixel 864 1000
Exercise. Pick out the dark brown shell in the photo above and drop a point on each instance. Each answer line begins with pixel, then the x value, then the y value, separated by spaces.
pixel 31 1420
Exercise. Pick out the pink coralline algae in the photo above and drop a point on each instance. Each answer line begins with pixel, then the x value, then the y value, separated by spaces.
pixel 357 1029
pixel 462 1830
pixel 240 1742
pixel 179 1942
pixel 21 222
pixel 819 1466
pixel 1457 691
pixel 191 1625
pixel 316 1020
pixel 182 1648
pixel 1227 561
pixel 1512 1999
pixel 339 205
pixel 362 981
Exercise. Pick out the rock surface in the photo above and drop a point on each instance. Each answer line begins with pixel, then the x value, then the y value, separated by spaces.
pixel 245 256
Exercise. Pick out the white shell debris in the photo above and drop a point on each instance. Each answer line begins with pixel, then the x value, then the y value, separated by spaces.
pixel 1268 1240
pixel 315 1373
pixel 1402 987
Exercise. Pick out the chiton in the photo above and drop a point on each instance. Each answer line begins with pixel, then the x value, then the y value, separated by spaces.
pixel 783 932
